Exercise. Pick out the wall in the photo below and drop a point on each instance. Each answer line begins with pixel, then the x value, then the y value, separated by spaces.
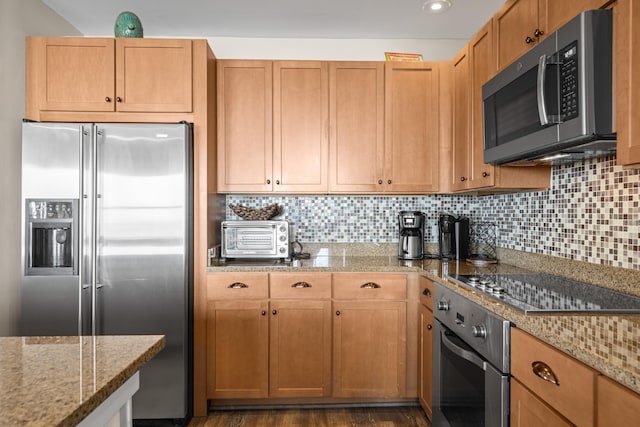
pixel 17 20
pixel 591 213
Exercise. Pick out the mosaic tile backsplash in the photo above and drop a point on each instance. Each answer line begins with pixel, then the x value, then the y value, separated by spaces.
pixel 591 213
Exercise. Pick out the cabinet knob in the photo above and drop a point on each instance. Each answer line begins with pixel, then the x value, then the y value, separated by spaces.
pixel 485 174
pixel 274 312
pixel 107 99
pixel 426 292
pixel 529 40
pixel 118 99
pixel 463 179
pixel 379 181
pixel 338 313
pixel 389 182
pixel 538 32
pixel 429 327
pixel 268 181
pixel 264 313
pixel 277 182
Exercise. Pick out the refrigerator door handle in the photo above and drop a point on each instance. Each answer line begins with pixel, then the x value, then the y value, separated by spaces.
pixel 85 249
pixel 94 229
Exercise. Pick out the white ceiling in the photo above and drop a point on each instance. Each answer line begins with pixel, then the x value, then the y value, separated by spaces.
pixel 330 19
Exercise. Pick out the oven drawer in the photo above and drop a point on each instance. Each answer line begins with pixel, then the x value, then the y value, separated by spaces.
pixel 573 395
pixel 375 286
pixel 237 286
pixel 300 285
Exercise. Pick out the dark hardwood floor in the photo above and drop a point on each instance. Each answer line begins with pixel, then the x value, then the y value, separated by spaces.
pixel 389 416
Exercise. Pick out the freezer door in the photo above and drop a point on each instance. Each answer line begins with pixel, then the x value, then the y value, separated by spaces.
pixel 50 171
pixel 144 252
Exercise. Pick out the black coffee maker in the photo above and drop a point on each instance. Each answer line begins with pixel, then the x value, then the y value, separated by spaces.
pixel 411 242
pixel 453 237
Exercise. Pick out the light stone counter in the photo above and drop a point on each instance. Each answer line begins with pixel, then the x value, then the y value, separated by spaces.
pixel 58 381
pixel 608 343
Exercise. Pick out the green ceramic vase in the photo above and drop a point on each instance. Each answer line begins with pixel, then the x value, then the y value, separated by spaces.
pixel 128 25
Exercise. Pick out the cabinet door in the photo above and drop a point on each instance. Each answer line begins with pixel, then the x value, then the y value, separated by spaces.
pixel 411 127
pixel 237 349
pixel 616 403
pixel 153 75
pixel 244 126
pixel 515 26
pixel 556 13
pixel 425 364
pixel 461 178
pixel 300 126
pixel 369 349
pixel 527 410
pixel 482 68
pixel 356 143
pixel 300 348
pixel 73 73
pixel 626 36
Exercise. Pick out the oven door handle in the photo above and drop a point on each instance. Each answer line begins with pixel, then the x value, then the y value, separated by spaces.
pixel 462 352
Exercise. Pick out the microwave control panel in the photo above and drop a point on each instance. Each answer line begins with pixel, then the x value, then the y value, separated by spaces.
pixel 569 101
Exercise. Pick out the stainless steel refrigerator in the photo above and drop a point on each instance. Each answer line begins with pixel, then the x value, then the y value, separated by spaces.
pixel 107 247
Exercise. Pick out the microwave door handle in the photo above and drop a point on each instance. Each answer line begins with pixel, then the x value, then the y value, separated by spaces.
pixel 542 109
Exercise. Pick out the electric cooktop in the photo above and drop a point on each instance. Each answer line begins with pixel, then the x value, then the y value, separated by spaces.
pixel 541 293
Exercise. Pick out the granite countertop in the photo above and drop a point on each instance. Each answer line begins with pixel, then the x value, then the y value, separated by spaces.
pixel 58 381
pixel 608 343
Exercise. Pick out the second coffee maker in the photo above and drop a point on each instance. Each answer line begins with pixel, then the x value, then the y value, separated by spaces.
pixel 453 237
pixel 411 241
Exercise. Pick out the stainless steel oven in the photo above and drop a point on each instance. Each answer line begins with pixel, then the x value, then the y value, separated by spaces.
pixel 471 364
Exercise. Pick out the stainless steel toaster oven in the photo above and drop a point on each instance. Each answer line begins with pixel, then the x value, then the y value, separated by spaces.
pixel 255 239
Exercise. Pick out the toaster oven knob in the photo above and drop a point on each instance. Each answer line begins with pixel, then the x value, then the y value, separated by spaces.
pixel 283 250
pixel 283 238
pixel 283 229
pixel 479 331
pixel 443 305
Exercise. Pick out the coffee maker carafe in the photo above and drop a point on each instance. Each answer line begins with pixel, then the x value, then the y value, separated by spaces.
pixel 411 241
pixel 453 237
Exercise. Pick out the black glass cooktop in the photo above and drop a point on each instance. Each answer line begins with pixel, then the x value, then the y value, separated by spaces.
pixel 546 293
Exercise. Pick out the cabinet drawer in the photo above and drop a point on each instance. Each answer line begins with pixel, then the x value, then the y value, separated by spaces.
pixel 300 285
pixel 573 395
pixel 237 286
pixel 426 292
pixel 376 286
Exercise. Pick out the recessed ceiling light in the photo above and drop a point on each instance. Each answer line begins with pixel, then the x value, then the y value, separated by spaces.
pixel 436 6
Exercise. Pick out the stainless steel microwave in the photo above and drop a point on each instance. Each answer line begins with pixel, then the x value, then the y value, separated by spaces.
pixel 255 239
pixel 555 103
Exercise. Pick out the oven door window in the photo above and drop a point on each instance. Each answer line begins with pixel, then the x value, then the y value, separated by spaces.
pixel 462 385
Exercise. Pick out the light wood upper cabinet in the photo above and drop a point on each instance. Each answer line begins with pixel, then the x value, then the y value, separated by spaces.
pixel 461 179
pixel 245 116
pixel 106 75
pixel 356 142
pixel 153 75
pixel 626 68
pixel 411 127
pixel 300 126
pixel 521 24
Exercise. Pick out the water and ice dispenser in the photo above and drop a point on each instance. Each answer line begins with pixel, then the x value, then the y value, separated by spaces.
pixel 51 237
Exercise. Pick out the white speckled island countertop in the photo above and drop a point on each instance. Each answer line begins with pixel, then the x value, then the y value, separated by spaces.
pixel 58 381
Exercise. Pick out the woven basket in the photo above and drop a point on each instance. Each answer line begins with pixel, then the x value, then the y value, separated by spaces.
pixel 254 214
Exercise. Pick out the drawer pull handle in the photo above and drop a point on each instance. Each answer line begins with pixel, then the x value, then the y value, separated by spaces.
pixel 543 370
pixel 237 285
pixel 301 285
pixel 370 285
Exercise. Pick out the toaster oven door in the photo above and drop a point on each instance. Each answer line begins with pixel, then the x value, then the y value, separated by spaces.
pixel 249 242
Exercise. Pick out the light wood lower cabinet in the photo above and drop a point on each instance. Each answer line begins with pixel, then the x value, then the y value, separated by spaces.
pixel 300 335
pixel 563 383
pixel 617 405
pixel 528 410
pixel 425 349
pixel 369 335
